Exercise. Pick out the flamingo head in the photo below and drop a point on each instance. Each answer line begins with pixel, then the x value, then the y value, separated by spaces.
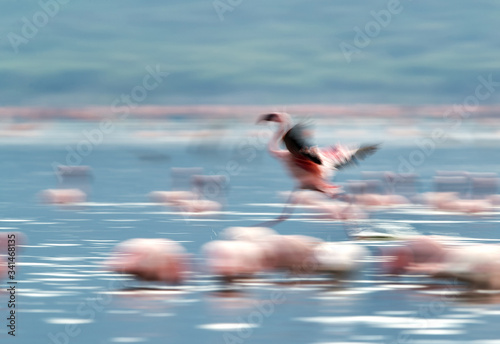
pixel 278 117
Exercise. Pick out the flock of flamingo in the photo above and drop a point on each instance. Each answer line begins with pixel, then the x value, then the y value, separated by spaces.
pixel 249 252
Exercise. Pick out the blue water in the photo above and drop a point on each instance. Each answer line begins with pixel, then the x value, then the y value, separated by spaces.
pixel 65 296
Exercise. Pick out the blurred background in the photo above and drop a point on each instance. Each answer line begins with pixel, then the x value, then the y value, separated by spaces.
pixel 246 52
pixel 122 120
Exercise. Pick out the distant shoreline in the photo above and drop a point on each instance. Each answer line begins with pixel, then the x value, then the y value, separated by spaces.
pixel 95 113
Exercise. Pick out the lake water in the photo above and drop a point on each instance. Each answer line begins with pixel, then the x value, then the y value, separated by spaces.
pixel 63 294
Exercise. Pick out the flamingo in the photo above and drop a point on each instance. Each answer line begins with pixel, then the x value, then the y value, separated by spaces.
pixel 369 193
pixel 74 186
pixel 459 192
pixel 160 260
pixel 416 253
pixel 194 201
pixel 341 259
pixel 248 251
pixel 292 254
pixel 476 265
pixel 310 166
pixel 233 259
pixel 333 210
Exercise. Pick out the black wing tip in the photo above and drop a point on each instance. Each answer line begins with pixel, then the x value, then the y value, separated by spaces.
pixel 370 148
pixel 373 145
pixel 365 151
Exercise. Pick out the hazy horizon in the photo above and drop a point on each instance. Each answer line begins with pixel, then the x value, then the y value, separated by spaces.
pixel 68 53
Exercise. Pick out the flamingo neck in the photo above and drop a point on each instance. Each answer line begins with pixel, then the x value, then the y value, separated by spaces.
pixel 274 143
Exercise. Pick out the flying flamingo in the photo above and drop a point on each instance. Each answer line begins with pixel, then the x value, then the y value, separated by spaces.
pixel 310 166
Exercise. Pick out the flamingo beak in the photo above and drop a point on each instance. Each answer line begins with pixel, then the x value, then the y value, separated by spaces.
pixel 271 117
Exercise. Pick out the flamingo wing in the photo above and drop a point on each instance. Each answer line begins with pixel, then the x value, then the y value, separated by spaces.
pixel 339 157
pixel 297 144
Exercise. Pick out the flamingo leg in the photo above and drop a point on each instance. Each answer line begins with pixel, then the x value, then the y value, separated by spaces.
pixel 285 213
pixel 351 227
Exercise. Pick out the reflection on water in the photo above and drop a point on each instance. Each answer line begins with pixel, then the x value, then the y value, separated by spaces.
pixel 62 280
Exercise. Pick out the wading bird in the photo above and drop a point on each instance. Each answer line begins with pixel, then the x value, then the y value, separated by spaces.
pixel 160 260
pixel 310 166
